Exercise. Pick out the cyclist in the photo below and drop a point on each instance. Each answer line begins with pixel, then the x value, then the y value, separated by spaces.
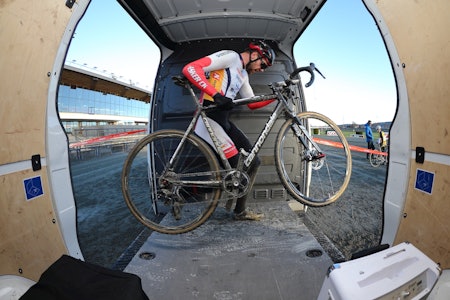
pixel 382 139
pixel 220 76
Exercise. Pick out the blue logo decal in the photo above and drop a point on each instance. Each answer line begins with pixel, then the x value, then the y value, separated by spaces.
pixel 33 187
pixel 424 181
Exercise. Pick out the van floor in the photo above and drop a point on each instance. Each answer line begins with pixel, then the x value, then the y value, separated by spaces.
pixel 275 258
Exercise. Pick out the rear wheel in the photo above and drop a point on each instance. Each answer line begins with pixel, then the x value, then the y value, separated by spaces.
pixel 375 160
pixel 312 178
pixel 171 200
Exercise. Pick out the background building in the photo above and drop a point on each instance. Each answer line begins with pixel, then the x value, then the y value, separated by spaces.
pixel 101 113
pixel 89 99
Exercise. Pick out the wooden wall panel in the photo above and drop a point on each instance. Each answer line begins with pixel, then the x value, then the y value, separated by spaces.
pixel 426 220
pixel 420 34
pixel 30 235
pixel 30 35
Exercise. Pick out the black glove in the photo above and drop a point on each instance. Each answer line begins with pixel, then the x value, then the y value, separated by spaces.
pixel 223 102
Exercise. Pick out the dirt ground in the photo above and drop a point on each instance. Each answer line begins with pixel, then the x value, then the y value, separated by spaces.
pixel 354 222
pixel 106 227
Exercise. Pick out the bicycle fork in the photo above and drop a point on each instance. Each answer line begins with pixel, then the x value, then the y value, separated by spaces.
pixel 313 151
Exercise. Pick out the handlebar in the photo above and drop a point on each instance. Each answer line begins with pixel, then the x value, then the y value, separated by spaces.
pixel 184 82
pixel 310 69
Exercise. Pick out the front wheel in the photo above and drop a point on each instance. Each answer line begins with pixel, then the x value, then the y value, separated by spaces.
pixel 310 177
pixel 174 198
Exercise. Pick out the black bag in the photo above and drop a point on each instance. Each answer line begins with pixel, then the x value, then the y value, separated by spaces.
pixel 72 279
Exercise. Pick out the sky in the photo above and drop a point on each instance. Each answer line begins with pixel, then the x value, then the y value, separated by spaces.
pixel 109 40
pixel 343 41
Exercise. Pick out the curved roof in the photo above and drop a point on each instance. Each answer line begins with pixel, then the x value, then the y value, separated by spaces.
pixel 76 77
pixel 170 22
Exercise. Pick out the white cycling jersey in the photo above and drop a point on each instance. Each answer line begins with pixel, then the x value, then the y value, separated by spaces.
pixel 221 72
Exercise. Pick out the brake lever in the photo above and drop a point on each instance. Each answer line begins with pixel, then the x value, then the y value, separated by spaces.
pixel 314 68
pixel 317 70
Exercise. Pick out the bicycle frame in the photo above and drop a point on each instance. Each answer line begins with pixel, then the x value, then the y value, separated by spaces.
pixel 186 172
pixel 282 106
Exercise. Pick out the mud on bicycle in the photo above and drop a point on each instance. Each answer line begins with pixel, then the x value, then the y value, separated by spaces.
pixel 172 180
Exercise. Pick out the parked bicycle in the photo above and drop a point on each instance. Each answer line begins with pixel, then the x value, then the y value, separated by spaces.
pixel 172 180
pixel 378 159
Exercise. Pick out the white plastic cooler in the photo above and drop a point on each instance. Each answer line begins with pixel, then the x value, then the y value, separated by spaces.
pixel 399 272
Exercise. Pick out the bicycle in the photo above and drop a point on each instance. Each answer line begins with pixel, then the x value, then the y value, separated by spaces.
pixel 172 180
pixel 378 159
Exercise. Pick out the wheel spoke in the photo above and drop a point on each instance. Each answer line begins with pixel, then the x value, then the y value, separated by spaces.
pixel 165 198
pixel 313 178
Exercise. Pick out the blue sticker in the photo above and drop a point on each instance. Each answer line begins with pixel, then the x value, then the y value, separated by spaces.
pixel 33 187
pixel 424 181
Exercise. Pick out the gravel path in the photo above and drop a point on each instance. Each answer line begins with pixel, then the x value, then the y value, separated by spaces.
pixel 106 227
pixel 354 222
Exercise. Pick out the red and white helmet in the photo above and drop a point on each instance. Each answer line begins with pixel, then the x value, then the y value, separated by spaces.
pixel 264 50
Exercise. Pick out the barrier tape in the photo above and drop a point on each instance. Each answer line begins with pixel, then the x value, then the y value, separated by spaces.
pixel 105 138
pixel 317 140
pixel 352 147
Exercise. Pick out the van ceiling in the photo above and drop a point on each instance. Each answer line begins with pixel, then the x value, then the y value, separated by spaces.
pixel 171 22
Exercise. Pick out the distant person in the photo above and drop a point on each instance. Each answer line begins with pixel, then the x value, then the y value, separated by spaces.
pixel 221 76
pixel 382 139
pixel 369 137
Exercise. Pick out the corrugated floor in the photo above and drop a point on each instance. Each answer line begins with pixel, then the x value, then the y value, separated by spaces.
pixel 275 258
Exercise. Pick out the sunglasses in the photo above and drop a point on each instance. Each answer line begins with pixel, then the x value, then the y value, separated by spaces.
pixel 264 65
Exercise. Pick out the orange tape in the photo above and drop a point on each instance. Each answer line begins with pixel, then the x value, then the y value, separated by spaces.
pixel 352 147
pixel 105 138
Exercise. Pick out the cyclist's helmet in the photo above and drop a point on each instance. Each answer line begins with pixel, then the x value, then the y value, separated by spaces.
pixel 264 50
pixel 378 127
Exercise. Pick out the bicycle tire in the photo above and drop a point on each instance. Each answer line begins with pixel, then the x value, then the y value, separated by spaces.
pixel 375 160
pixel 316 182
pixel 143 182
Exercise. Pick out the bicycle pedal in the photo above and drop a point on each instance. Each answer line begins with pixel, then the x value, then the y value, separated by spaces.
pixel 176 211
